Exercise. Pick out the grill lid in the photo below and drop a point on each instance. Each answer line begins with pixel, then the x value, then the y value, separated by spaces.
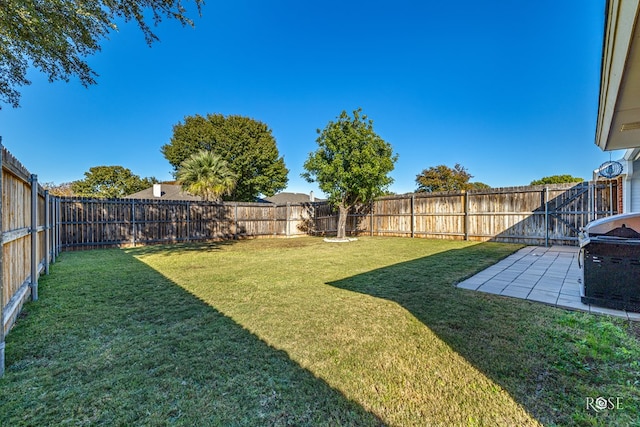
pixel 623 232
pixel 622 225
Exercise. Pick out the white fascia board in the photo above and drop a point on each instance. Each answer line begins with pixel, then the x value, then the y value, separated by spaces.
pixel 631 154
pixel 620 23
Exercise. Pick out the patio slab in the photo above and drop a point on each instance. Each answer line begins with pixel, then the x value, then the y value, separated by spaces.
pixel 547 275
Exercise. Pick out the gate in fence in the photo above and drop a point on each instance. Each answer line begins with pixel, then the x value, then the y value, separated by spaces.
pixel 571 210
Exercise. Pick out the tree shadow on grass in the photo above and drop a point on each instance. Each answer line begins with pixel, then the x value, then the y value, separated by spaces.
pixel 113 342
pixel 183 247
pixel 508 340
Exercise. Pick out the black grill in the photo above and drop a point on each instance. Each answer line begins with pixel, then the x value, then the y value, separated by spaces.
pixel 610 249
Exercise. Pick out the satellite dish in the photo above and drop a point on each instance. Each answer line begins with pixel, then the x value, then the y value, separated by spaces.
pixel 610 169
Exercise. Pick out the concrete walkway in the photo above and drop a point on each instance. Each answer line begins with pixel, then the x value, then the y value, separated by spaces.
pixel 548 275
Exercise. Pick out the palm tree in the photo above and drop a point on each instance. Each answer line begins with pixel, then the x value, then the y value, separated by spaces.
pixel 207 175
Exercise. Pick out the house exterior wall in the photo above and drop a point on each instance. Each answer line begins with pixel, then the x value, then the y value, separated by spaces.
pixel 629 181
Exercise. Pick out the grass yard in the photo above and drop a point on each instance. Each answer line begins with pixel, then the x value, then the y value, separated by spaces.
pixel 301 332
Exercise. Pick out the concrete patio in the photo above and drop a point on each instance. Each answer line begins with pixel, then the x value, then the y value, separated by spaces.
pixel 547 275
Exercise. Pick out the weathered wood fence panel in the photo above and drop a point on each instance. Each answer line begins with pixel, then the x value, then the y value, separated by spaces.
pixel 91 223
pixel 28 219
pixel 436 215
pixel 537 215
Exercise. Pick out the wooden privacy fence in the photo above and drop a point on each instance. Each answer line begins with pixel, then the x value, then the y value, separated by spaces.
pixel 535 215
pixel 90 223
pixel 28 218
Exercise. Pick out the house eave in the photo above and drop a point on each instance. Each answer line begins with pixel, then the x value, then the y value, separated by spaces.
pixel 618 125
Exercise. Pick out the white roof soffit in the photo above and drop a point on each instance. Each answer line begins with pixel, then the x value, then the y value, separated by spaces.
pixel 618 124
pixel 631 154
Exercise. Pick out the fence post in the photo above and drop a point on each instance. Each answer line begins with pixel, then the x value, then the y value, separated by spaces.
pixel 58 226
pixel 546 217
pixel 133 222
pixel 315 219
pixel 413 215
pixel 47 230
pixel 235 220
pixel 288 217
pixel 465 195
pixel 54 224
pixel 34 237
pixel 371 222
pixel 188 220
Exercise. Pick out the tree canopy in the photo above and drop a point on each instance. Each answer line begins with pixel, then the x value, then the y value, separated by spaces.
pixel 443 178
pixel 56 36
pixel 478 186
pixel 110 182
pixel 61 190
pixel 556 179
pixel 247 145
pixel 351 164
pixel 207 175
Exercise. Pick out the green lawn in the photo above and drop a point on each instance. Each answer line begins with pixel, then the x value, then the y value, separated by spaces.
pixel 302 332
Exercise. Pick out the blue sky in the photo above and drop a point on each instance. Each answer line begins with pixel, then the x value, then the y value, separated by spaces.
pixel 507 89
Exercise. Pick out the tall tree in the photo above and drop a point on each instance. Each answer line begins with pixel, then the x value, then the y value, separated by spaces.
pixel 207 175
pixel 443 178
pixel 57 36
pixel 246 144
pixel 110 182
pixel 556 179
pixel 351 164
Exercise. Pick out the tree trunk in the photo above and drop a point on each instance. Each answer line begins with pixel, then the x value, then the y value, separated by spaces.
pixel 342 221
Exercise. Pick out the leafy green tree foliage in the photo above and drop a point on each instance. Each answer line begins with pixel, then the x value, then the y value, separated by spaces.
pixel 57 36
pixel 351 164
pixel 247 146
pixel 478 186
pixel 443 178
pixel 110 182
pixel 60 190
pixel 207 175
pixel 556 179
